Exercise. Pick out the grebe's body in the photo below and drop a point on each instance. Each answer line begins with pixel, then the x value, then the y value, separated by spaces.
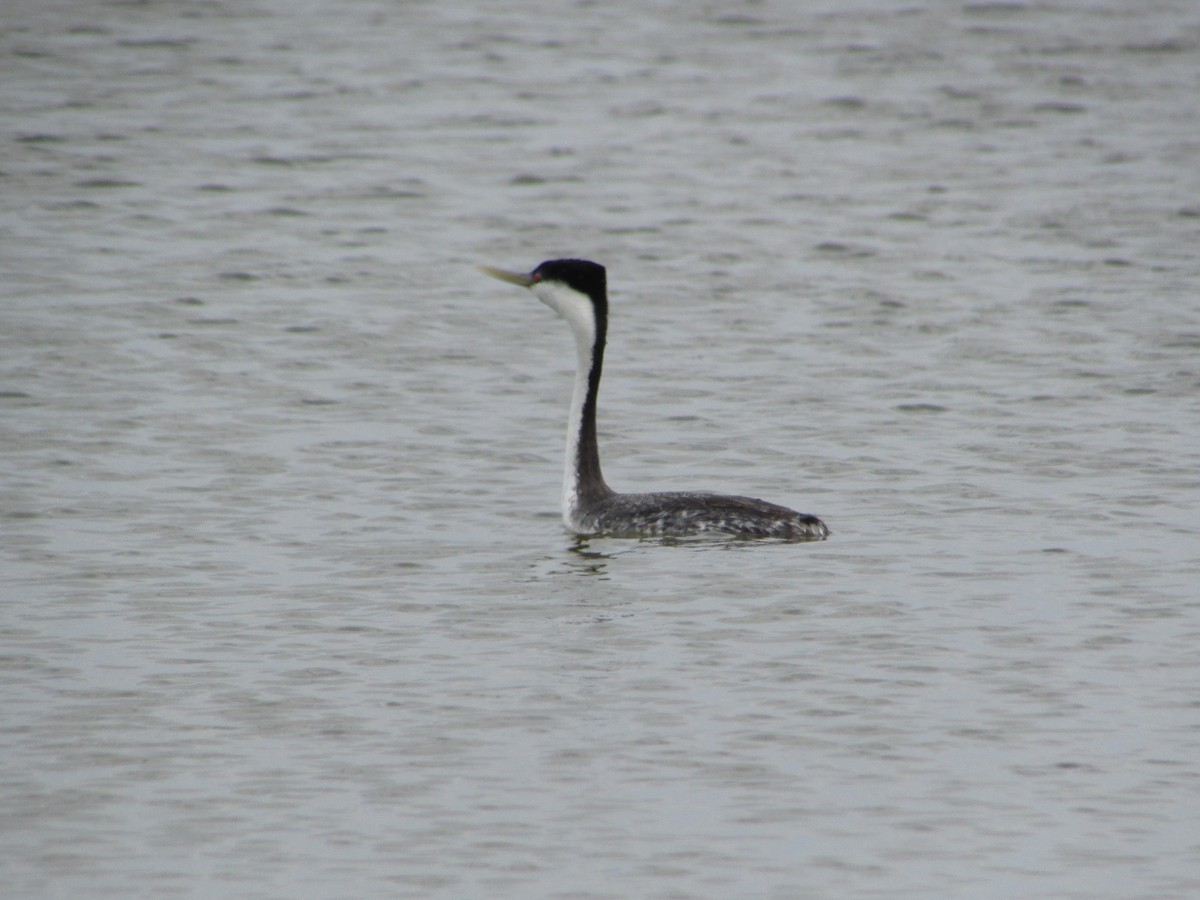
pixel 577 290
pixel 686 513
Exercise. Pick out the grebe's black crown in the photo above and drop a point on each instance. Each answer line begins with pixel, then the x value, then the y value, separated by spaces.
pixel 582 275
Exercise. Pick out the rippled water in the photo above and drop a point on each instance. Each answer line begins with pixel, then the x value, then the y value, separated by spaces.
pixel 288 610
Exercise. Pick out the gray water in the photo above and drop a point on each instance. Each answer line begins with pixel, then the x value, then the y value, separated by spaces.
pixel 288 610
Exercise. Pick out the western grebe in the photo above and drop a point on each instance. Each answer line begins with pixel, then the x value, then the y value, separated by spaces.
pixel 576 289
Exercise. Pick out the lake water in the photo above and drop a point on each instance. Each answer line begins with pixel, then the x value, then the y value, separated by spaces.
pixel 288 610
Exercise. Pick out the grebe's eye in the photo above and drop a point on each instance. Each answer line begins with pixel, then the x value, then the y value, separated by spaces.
pixel 537 276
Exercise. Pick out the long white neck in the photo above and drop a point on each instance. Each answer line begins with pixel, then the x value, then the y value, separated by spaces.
pixel 583 482
pixel 572 470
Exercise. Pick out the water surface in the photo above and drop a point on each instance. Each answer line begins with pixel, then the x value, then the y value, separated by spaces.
pixel 288 609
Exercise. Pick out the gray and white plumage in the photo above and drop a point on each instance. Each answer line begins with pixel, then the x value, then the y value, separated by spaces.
pixel 686 513
pixel 577 290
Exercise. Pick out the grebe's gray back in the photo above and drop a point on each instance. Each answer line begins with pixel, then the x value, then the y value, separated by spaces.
pixel 577 290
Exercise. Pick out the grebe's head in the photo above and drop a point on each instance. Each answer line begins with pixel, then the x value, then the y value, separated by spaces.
pixel 576 289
